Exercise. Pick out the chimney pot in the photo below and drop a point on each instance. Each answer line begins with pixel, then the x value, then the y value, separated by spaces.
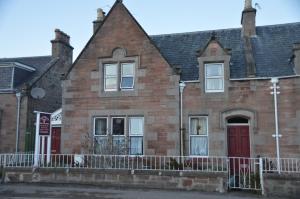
pixel 100 14
pixel 100 18
pixel 248 20
pixel 248 4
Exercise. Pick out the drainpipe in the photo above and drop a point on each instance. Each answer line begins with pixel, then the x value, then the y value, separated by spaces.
pixel 181 88
pixel 19 96
pixel 274 81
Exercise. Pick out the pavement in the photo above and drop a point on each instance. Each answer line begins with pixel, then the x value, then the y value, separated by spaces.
pixel 67 191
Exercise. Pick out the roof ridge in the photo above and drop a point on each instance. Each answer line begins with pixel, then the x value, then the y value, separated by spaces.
pixel 193 32
pixel 25 57
pixel 222 29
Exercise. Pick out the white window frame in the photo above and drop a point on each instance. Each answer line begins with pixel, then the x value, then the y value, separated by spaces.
pixel 121 76
pixel 125 126
pixel 95 126
pixel 190 135
pixel 105 77
pixel 214 77
pixel 94 130
pixel 135 135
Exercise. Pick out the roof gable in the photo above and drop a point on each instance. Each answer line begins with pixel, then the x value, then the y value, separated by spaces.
pixel 118 15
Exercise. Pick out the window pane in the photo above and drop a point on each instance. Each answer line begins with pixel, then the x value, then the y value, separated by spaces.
pixel 6 75
pixel 214 70
pixel 127 82
pixel 118 126
pixel 101 145
pixel 198 126
pixel 100 126
pixel 136 145
pixel 119 146
pixel 111 70
pixel 199 146
pixel 127 69
pixel 136 125
pixel 214 84
pixel 111 83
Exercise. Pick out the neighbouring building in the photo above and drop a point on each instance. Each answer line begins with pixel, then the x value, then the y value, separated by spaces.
pixel 29 84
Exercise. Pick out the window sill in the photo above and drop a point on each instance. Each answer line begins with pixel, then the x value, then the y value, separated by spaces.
pixel 119 93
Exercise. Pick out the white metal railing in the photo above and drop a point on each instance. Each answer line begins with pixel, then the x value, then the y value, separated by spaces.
pixel 287 165
pixel 173 163
pixel 127 162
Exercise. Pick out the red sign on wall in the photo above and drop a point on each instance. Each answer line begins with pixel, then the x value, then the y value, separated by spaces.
pixel 44 124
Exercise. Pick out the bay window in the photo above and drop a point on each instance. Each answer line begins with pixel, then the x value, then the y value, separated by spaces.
pixel 119 137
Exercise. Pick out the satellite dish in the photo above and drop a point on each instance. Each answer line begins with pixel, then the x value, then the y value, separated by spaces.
pixel 38 93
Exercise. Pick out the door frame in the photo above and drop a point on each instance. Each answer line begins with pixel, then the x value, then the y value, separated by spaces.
pixel 240 124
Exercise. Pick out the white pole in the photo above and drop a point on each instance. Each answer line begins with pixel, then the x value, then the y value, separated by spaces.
pixel 37 139
pixel 181 125
pixel 43 149
pixel 277 135
pixel 48 147
pixel 181 88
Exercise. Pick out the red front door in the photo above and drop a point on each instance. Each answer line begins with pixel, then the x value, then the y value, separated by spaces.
pixel 238 149
pixel 55 140
pixel 238 141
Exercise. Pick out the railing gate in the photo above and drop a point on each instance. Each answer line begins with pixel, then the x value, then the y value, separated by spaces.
pixel 245 173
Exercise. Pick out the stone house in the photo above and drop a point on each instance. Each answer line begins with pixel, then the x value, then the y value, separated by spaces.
pixel 29 84
pixel 204 93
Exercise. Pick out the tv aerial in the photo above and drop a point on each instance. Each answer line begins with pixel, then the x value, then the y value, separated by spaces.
pixel 37 93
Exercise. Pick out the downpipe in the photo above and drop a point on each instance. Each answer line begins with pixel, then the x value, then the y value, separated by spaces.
pixel 19 96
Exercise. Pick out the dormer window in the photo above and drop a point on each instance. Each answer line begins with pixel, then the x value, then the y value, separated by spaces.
pixel 214 77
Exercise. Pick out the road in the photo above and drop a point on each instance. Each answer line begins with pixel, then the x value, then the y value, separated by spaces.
pixel 60 191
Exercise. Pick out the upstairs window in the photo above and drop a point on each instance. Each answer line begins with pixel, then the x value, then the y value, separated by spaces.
pixel 121 74
pixel 110 77
pixel 6 75
pixel 214 78
pixel 127 75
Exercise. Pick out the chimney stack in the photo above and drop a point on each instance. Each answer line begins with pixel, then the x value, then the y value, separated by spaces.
pixel 248 20
pixel 100 18
pixel 296 50
pixel 62 49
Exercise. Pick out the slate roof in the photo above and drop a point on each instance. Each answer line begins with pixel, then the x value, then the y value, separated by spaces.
pixel 272 49
pixel 40 63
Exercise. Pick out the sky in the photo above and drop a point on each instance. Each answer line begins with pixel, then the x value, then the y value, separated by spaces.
pixel 27 26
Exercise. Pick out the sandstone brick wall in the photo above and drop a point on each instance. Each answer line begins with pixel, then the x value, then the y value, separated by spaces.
pixel 155 95
pixel 255 96
pixel 209 182
pixel 8 123
pixel 282 186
